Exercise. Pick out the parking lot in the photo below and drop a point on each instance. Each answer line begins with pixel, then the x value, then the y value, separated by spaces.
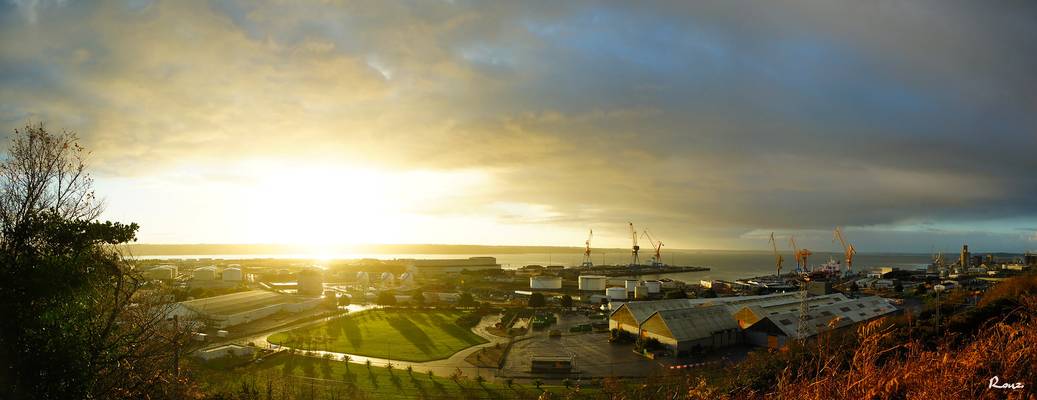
pixel 592 353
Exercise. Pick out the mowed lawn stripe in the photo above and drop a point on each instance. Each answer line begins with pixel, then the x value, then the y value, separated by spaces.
pixel 407 335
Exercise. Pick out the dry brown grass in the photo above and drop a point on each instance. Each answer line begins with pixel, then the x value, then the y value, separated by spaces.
pixel 1007 350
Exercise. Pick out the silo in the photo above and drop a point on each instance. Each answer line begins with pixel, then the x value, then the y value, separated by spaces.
pixel 592 282
pixel 654 286
pixel 545 282
pixel 232 274
pixel 363 279
pixel 616 293
pixel 631 284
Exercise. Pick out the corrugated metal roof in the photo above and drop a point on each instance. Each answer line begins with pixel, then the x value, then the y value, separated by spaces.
pixel 832 316
pixel 697 323
pixel 641 310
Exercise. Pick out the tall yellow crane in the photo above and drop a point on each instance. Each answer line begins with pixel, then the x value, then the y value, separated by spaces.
pixel 587 252
pixel 847 249
pixel 634 260
pixel 800 255
pixel 657 245
pixel 778 259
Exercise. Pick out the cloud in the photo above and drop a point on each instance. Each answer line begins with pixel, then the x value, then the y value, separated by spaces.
pixel 705 121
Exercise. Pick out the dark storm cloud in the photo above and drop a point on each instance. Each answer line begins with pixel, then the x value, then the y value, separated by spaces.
pixel 701 119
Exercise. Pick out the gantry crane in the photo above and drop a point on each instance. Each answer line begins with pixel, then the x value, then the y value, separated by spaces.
pixel 587 252
pixel 778 259
pixel 847 249
pixel 634 259
pixel 800 255
pixel 657 259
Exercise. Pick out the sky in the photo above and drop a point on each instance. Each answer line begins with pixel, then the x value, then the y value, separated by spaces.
pixel 911 124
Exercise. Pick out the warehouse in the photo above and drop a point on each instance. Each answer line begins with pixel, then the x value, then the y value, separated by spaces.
pixel 689 329
pixel 775 330
pixel 240 308
pixel 749 314
pixel 629 316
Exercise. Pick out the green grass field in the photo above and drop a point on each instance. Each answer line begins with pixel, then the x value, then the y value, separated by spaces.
pixel 397 334
pixel 289 376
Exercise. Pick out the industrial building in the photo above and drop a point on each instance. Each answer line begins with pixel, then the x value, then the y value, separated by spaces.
pixel 240 308
pixel 204 273
pixel 232 275
pixel 447 266
pixel 775 330
pixel 687 324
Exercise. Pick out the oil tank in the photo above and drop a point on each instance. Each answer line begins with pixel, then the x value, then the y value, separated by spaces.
pixel 616 293
pixel 232 274
pixel 363 279
pixel 631 284
pixel 545 282
pixel 387 279
pixel 205 273
pixel 592 282
pixel 654 286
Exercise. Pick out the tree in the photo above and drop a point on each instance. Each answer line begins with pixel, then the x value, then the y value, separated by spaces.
pixel 567 301
pixel 466 300
pixel 386 298
pixel 78 318
pixel 418 298
pixel 898 287
pixel 854 287
pixel 537 300
pixel 343 300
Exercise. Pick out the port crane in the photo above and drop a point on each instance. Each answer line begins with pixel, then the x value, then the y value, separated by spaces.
pixel 587 252
pixel 778 259
pixel 800 255
pixel 634 260
pixel 847 249
pixel 657 259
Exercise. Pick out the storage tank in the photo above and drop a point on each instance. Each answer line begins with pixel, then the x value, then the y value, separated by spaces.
pixel 205 273
pixel 363 279
pixel 545 282
pixel 654 286
pixel 616 293
pixel 640 292
pixel 592 282
pixel 407 279
pixel 232 274
pixel 631 284
pixel 162 272
pixel 387 279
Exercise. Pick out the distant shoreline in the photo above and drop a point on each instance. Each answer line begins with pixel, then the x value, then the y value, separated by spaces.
pixel 145 250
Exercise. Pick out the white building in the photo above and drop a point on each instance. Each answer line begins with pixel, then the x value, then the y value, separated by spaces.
pixel 232 275
pixel 240 308
pixel 205 273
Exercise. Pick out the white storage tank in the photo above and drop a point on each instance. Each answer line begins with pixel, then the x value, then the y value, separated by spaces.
pixel 640 292
pixel 387 279
pixel 654 286
pixel 592 282
pixel 616 293
pixel 631 284
pixel 205 273
pixel 407 279
pixel 162 272
pixel 363 279
pixel 545 282
pixel 232 274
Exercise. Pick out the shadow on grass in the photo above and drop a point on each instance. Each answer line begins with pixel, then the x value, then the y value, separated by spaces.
pixel 412 333
pixel 465 335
